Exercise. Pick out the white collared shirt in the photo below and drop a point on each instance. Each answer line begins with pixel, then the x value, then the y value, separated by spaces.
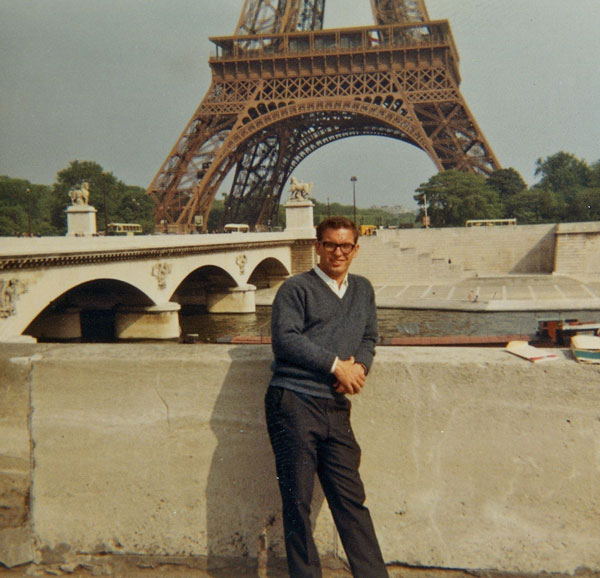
pixel 339 290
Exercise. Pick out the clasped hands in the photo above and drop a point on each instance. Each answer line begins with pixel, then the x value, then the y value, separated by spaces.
pixel 351 376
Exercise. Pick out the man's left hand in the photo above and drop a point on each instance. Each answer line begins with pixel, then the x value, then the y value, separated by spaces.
pixel 351 376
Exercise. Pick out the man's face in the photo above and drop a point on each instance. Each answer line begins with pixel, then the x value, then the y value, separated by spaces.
pixel 336 263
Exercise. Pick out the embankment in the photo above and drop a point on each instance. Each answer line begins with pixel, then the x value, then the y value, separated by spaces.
pixel 472 458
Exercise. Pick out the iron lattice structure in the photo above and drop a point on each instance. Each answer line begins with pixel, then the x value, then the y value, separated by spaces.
pixel 282 87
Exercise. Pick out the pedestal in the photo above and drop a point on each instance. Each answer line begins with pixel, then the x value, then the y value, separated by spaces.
pixel 299 219
pixel 232 300
pixel 81 221
pixel 154 322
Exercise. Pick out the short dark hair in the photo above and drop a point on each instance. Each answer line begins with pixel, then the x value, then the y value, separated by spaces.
pixel 337 223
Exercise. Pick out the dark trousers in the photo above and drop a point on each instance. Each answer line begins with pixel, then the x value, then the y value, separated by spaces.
pixel 313 435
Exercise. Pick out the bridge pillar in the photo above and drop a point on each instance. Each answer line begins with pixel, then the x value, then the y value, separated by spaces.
pixel 233 300
pixel 62 326
pixel 153 322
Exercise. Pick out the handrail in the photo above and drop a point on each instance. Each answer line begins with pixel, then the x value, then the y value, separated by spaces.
pixel 334 41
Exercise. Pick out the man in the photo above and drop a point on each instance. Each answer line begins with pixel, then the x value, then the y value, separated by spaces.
pixel 323 330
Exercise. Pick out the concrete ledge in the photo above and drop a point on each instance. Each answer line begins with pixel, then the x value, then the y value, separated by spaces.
pixel 496 305
pixel 472 458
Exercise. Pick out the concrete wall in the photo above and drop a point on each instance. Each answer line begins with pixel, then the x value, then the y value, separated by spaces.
pixel 472 458
pixel 578 249
pixel 401 255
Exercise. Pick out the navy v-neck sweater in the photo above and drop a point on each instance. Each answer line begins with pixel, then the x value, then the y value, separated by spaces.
pixel 311 325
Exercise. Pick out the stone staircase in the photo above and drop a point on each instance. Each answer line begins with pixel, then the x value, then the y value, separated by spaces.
pixel 392 263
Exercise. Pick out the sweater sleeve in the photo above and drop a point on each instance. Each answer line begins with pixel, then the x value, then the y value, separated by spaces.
pixel 366 349
pixel 288 340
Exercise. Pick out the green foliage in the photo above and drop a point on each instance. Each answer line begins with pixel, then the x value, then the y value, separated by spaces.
pixel 24 208
pixel 453 197
pixel 371 216
pixel 585 205
pixel 595 175
pixel 507 183
pixel 562 173
pixel 215 216
pixel 568 190
pixel 115 201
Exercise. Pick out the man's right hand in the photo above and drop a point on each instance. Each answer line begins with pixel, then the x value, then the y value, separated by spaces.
pixel 350 376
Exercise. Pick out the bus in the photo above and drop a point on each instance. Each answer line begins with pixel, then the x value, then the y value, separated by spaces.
pixel 236 228
pixel 123 229
pixel 491 222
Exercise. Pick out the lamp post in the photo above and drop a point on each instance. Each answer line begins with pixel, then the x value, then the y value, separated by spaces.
pixel 28 198
pixel 353 181
pixel 105 211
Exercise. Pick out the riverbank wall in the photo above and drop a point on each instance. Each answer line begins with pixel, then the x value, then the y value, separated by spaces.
pixel 473 458
pixel 395 256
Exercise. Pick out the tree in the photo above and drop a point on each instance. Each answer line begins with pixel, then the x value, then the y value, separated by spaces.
pixel 595 176
pixel 585 205
pixel 23 207
pixel 563 173
pixel 453 197
pixel 506 182
pixel 114 200
pixel 102 190
pixel 131 204
pixel 537 205
pixel 509 185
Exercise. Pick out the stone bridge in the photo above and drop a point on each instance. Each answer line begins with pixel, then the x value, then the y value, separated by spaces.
pixel 62 287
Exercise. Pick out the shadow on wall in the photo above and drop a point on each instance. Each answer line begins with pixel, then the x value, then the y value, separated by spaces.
pixel 540 258
pixel 243 506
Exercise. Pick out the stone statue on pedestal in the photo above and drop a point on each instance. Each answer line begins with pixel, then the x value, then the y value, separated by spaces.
pixel 81 217
pixel 299 191
pixel 81 195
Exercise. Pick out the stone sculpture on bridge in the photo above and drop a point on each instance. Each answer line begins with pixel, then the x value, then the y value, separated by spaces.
pixel 81 195
pixel 299 190
pixel 10 290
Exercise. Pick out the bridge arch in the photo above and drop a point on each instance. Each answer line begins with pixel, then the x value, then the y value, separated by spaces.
pixel 270 272
pixel 86 310
pixel 195 288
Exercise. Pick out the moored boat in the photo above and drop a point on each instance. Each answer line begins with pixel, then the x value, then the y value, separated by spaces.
pixel 561 331
pixel 586 348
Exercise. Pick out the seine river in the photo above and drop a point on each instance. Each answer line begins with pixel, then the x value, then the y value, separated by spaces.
pixel 392 323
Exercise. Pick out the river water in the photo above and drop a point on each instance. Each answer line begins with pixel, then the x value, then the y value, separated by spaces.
pixel 392 323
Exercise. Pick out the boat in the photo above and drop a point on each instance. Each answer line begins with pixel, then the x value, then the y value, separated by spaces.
pixel 561 331
pixel 586 348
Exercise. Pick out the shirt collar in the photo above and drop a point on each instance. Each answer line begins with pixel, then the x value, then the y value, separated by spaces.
pixel 332 283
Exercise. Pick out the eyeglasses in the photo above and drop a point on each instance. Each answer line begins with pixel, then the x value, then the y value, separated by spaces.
pixel 330 247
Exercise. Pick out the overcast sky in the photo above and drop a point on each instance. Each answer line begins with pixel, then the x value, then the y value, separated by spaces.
pixel 116 81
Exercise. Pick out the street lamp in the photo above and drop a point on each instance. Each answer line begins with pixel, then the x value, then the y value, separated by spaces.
pixel 105 212
pixel 353 181
pixel 28 198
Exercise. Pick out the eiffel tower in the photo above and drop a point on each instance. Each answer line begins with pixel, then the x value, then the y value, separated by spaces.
pixel 282 87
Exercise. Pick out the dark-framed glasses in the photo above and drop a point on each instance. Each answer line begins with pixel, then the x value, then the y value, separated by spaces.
pixel 345 248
